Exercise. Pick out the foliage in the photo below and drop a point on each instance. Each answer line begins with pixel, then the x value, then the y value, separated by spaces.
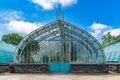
pixel 73 55
pixel 12 38
pixel 31 49
pixel 108 39
pixel 45 59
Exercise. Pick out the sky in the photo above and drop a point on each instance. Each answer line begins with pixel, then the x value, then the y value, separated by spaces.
pixel 95 16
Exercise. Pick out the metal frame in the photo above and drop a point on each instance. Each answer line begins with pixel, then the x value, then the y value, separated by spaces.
pixel 60 42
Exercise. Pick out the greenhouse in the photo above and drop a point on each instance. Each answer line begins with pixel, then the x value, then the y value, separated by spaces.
pixel 6 52
pixel 59 46
pixel 112 53
pixel 59 42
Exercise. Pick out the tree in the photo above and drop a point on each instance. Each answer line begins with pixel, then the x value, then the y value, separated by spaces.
pixel 73 53
pixel 118 38
pixel 30 49
pixel 12 38
pixel 108 39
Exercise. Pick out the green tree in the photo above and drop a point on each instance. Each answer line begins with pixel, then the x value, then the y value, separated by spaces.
pixel 108 39
pixel 73 53
pixel 12 38
pixel 30 50
pixel 118 38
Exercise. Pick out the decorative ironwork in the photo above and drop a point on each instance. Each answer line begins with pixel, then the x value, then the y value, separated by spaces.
pixel 59 42
pixel 59 13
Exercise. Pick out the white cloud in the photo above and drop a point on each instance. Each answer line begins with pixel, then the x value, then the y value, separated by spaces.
pixel 67 2
pixel 6 17
pixel 22 27
pixel 12 21
pixel 11 15
pixel 114 32
pixel 51 4
pixel 98 28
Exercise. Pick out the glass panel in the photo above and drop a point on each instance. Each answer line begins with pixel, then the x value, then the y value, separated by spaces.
pixel 59 44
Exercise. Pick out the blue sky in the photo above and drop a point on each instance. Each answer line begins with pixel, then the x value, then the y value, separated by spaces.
pixel 95 16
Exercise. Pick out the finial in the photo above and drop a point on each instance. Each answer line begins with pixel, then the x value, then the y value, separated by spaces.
pixel 59 13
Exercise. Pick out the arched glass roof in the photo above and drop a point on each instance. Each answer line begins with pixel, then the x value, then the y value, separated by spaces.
pixel 59 42
pixel 112 53
pixel 6 52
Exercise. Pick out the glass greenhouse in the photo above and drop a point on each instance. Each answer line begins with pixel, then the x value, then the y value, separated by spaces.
pixel 112 53
pixel 6 52
pixel 59 42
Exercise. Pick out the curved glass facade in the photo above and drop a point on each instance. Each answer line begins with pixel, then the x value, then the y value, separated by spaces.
pixel 6 52
pixel 112 53
pixel 59 42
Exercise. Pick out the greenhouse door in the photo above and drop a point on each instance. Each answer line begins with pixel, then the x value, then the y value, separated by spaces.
pixel 59 68
pixel 60 57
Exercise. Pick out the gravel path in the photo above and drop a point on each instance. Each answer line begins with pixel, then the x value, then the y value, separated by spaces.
pixel 8 76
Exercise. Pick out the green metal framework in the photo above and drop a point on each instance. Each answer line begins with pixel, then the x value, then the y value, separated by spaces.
pixel 59 42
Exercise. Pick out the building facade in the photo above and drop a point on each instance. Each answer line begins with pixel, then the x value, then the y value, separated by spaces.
pixel 59 44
